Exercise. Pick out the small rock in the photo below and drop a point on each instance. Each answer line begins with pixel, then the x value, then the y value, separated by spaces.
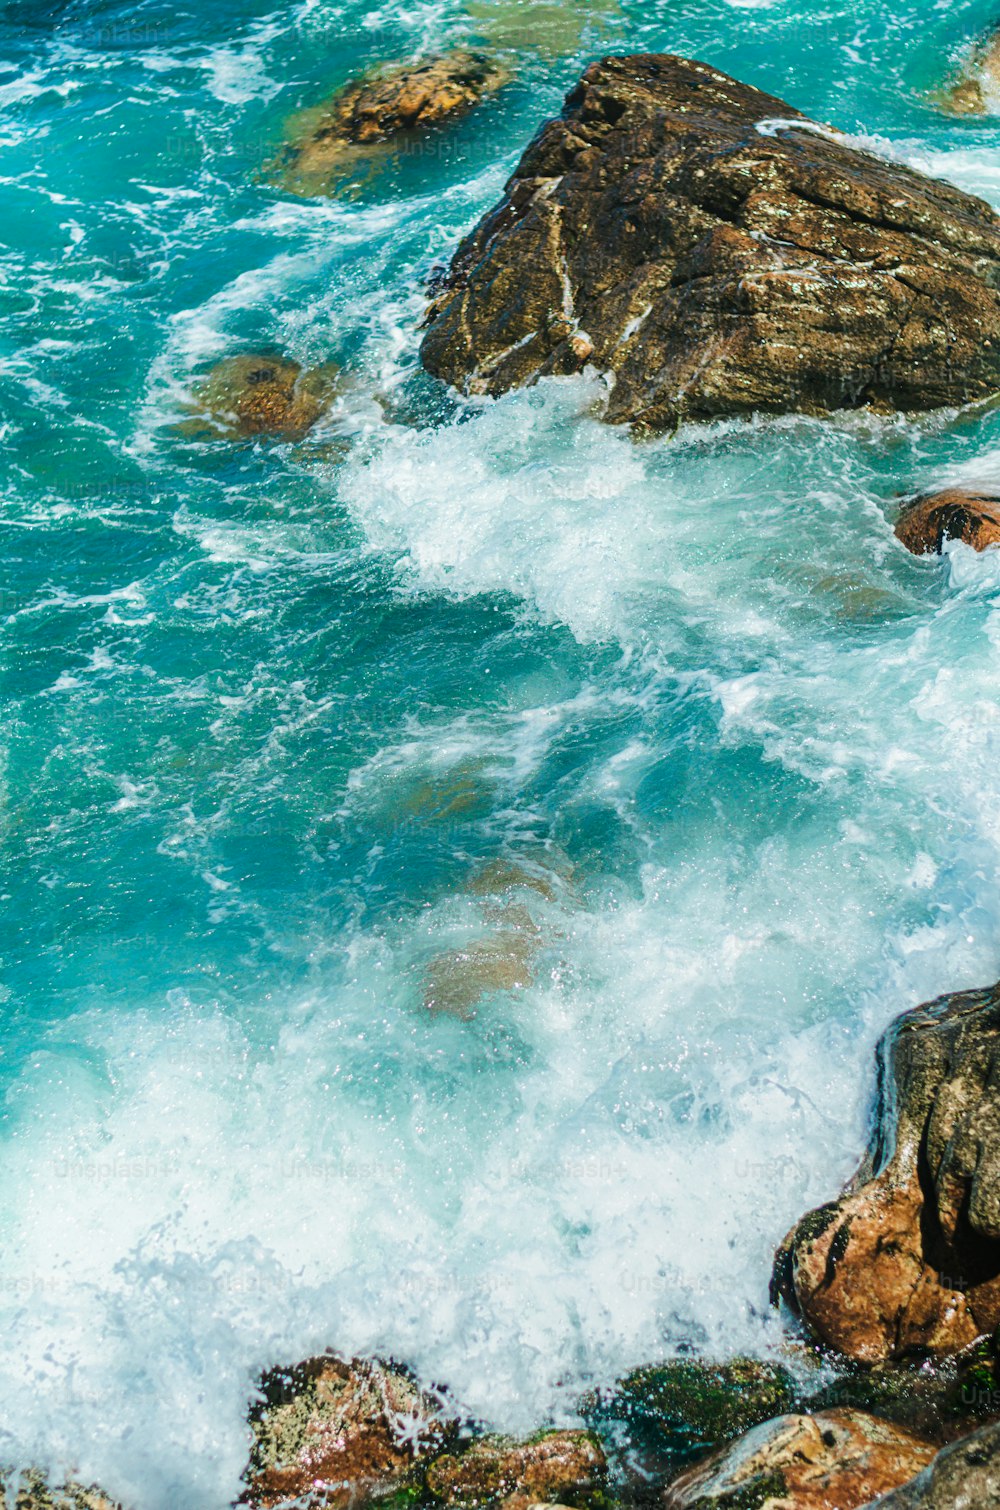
pixel 339 1433
pixel 964 1476
pixel 978 93
pixel 906 1262
pixel 31 1491
pixel 723 255
pixel 386 107
pixel 953 514
pixel 497 1470
pixel 550 27
pixel 253 395
pixel 839 1458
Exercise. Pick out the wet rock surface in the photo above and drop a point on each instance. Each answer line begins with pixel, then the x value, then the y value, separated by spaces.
pixel 256 394
pixel 31 1491
pixel 332 1432
pixel 552 1467
pixel 672 1411
pixel 907 1260
pixel 387 107
pixel 926 523
pixel 978 91
pixel 715 253
pixel 839 1458
pixel 965 1476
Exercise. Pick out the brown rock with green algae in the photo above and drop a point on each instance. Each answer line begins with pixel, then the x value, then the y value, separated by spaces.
pixel 964 1476
pixel 554 1466
pixel 907 1260
pixel 953 514
pixel 840 1458
pixel 672 1411
pixel 384 108
pixel 253 395
pixel 30 1490
pixel 715 253
pixel 330 1432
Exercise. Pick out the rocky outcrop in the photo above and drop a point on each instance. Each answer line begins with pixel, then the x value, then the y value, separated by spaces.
pixel 31 1491
pixel 547 1469
pixel 388 107
pixel 965 1476
pixel 839 1458
pixel 953 514
pixel 907 1260
pixel 715 253
pixel 331 1432
pixel 255 394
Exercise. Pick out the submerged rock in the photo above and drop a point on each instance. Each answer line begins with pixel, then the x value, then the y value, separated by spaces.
pixel 965 1476
pixel 713 252
pixel 498 1470
pixel 839 1458
pixel 252 395
pixel 330 1432
pixel 686 1406
pixel 550 27
pixel 388 106
pixel 456 981
pixel 953 514
pixel 31 1491
pixel 907 1260
pixel 978 92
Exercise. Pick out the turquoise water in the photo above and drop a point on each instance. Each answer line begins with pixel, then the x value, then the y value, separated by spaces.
pixel 455 869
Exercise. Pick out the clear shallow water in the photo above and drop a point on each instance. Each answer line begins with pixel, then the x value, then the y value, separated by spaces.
pixel 454 870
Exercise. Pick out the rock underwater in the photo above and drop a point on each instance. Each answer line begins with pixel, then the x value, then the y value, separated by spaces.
pixel 906 1262
pixel 384 107
pixel 713 253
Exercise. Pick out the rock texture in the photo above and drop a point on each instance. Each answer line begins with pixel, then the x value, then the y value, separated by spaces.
pixel 715 253
pixel 31 1491
pixel 498 1471
pixel 978 92
pixel 907 1260
pixel 965 1476
pixel 331 1432
pixel 839 1459
pixel 673 1411
pixel 953 514
pixel 389 106
pixel 259 395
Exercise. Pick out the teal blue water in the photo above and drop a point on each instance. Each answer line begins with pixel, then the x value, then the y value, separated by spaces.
pixel 455 868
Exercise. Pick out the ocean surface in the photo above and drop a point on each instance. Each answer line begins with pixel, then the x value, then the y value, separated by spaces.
pixel 455 868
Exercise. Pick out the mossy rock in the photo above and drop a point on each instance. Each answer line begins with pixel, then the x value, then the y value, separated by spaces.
pixel 29 1490
pixel 687 1406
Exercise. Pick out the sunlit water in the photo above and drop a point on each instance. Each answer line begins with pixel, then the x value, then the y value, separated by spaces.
pixel 455 869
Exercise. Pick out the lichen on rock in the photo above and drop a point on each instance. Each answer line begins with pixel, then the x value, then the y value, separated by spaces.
pixel 333 1432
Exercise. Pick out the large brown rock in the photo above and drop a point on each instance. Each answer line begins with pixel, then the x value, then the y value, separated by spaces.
pixel 965 1476
pixel 978 91
pixel 953 514
pixel 330 1432
pixel 907 1260
pixel 387 107
pixel 714 253
pixel 840 1458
